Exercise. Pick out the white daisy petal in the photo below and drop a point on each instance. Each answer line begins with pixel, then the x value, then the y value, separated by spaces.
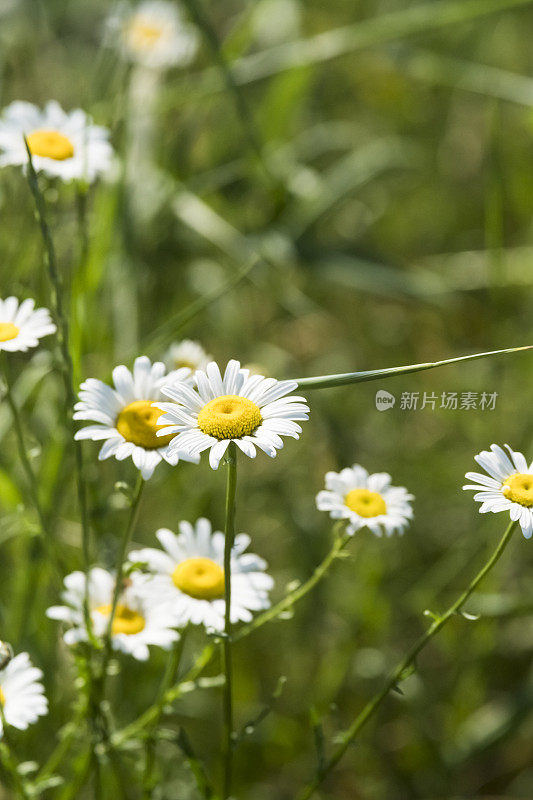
pixel 508 486
pixel 22 694
pixel 154 34
pixel 65 146
pixel 21 326
pixel 188 577
pixel 366 501
pixel 129 417
pixel 139 619
pixel 251 411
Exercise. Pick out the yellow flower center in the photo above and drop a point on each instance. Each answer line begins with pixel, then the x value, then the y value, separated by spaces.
pixel 8 331
pixel 50 144
pixel 126 620
pixel 143 35
pixel 137 422
pixel 229 417
pixel 200 578
pixel 519 489
pixel 365 503
pixel 2 698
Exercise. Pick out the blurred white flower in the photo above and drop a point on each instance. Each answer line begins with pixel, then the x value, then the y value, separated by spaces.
pixel 250 410
pixel 21 695
pixel 139 620
pixel 367 501
pixel 126 416
pixel 186 354
pixel 154 34
pixel 189 575
pixel 21 326
pixel 507 487
pixel 63 145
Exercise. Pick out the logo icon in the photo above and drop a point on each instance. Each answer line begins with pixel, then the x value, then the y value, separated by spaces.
pixel 384 400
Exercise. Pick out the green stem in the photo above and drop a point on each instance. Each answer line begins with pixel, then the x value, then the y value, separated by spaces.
pixel 63 336
pixel 290 599
pixel 28 469
pixel 229 530
pixel 329 381
pixel 243 110
pixel 397 674
pixel 9 762
pixel 146 719
pixel 124 544
pixel 70 790
pixel 63 746
pixel 97 687
pixel 169 678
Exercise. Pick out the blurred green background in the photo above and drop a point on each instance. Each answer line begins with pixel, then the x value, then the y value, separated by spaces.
pixel 382 201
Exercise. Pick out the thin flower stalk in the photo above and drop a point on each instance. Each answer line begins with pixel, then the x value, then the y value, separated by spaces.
pixel 146 720
pixel 119 574
pixel 169 679
pixel 31 479
pixel 61 318
pixel 290 599
pixel 241 104
pixel 396 676
pixel 229 530
pixel 9 762
pixel 139 726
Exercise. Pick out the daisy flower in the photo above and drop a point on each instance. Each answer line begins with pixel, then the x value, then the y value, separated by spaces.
pixel 139 620
pixel 186 354
pixel 63 145
pixel 21 695
pixel 154 34
pixel 126 416
pixel 367 501
pixel 507 487
pixel 250 410
pixel 189 574
pixel 21 326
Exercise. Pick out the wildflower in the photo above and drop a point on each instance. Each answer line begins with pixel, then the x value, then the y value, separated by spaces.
pixel 154 34
pixel 126 416
pixel 21 326
pixel 186 354
pixel 189 574
pixel 21 695
pixel 63 145
pixel 139 621
pixel 250 410
pixel 507 487
pixel 367 501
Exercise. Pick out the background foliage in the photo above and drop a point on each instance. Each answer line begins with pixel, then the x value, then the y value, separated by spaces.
pixel 381 205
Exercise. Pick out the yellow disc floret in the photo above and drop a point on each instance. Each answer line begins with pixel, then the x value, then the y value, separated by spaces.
pixel 519 489
pixel 200 578
pixel 50 144
pixel 137 422
pixel 229 417
pixel 142 35
pixel 2 698
pixel 126 620
pixel 8 331
pixel 365 503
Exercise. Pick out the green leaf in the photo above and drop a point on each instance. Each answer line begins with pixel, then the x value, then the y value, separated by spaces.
pixel 329 381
